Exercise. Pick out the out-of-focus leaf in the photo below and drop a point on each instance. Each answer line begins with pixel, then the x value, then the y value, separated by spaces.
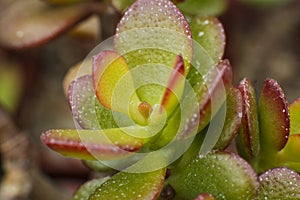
pixel 273 117
pixel 40 23
pixel 279 183
pixel 88 29
pixel 233 119
pixel 209 33
pixel 265 3
pixel 223 175
pixel 295 117
pixel 203 7
pixel 151 34
pixel 121 5
pixel 63 2
pixel 248 137
pixel 95 144
pixel 88 188
pixel 10 83
pixel 124 186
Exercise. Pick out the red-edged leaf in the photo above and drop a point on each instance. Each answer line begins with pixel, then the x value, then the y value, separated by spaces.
pixel 94 144
pixel 40 23
pixel 273 117
pixel 151 34
pixel 114 85
pixel 175 86
pixel 81 97
pixel 233 119
pixel 248 137
pixel 295 117
pixel 279 183
pixel 211 93
pixel 124 186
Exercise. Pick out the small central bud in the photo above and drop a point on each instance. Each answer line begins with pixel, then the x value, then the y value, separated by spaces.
pixel 145 109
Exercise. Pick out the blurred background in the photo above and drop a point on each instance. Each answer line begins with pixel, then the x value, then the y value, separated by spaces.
pixel 41 40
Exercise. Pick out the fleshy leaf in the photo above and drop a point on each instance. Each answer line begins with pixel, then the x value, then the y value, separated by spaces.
pixel 212 91
pixel 203 7
pixel 273 117
pixel 88 188
pixel 248 137
pixel 124 185
pixel 205 196
pixel 121 5
pixel 279 183
pixel 209 33
pixel 114 85
pixel 213 87
pixel 295 117
pixel 175 86
pixel 81 97
pixel 94 144
pixel 153 33
pixel 223 175
pixel 233 119
pixel 40 23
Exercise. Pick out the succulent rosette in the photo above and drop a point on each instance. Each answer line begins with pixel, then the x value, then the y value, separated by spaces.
pixel 158 96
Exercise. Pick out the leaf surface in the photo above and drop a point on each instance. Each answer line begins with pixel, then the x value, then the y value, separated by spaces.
pixel 273 117
pixel 124 185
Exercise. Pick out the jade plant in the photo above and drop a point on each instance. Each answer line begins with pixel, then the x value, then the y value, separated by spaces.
pixel 157 108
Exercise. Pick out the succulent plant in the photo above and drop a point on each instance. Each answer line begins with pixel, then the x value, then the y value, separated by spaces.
pixel 160 108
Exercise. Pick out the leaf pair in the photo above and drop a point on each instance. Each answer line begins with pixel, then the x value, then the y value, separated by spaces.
pixel 264 137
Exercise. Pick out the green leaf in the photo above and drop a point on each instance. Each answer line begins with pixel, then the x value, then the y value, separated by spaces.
pixel 40 23
pixel 223 175
pixel 107 144
pixel 150 36
pixel 81 96
pixel 279 183
pixel 203 7
pixel 114 85
pixel 88 188
pixel 209 33
pixel 248 138
pixel 11 83
pixel 273 117
pixel 295 117
pixel 233 119
pixel 124 185
pixel 211 93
